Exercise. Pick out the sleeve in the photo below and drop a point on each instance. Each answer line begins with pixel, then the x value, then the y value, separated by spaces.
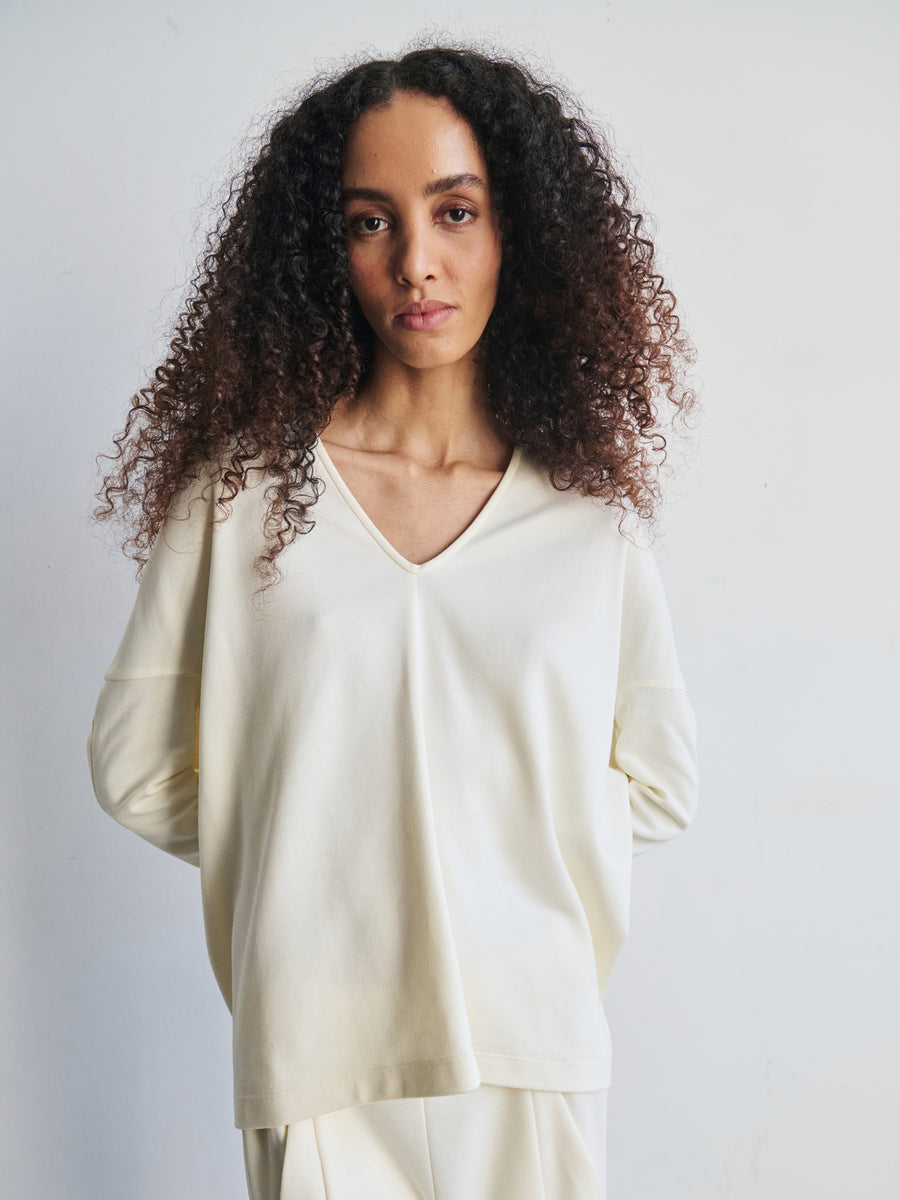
pixel 142 749
pixel 654 737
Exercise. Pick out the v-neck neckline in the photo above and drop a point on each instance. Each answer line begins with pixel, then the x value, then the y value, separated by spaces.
pixel 478 520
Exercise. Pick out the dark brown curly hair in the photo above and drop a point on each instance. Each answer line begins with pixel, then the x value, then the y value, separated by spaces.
pixel 581 350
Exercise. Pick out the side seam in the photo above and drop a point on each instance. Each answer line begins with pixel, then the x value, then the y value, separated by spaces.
pixel 428 1152
pixel 319 1156
pixel 537 1139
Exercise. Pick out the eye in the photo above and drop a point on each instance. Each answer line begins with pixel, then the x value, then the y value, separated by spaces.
pixel 368 224
pixel 458 215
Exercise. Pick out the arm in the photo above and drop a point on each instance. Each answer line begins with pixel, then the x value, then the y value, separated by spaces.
pixel 654 739
pixel 142 750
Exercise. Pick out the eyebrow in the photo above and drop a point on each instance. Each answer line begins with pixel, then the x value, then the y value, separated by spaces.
pixel 447 183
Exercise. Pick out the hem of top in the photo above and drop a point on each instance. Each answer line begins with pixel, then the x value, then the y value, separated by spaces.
pixel 654 685
pixel 139 676
pixel 544 1075
pixel 430 1077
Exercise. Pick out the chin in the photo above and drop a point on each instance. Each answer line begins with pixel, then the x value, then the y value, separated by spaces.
pixel 431 362
pixel 428 357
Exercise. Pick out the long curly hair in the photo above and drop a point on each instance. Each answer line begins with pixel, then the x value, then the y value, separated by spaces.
pixel 582 351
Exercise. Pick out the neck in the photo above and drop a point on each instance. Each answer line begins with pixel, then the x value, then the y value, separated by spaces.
pixel 434 417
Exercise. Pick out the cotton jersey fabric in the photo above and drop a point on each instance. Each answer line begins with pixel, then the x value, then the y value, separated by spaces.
pixel 413 791
pixel 481 1145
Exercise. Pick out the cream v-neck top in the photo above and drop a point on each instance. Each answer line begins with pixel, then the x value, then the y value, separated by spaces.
pixel 413 790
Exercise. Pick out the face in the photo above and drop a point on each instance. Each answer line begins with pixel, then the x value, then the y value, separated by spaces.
pixel 423 236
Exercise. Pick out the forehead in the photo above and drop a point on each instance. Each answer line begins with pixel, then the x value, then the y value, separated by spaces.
pixel 412 137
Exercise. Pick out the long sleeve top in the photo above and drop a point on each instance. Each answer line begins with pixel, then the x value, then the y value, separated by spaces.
pixel 413 790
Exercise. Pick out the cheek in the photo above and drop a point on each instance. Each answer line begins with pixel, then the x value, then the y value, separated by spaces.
pixel 487 269
pixel 485 262
pixel 356 267
pixel 363 256
pixel 363 279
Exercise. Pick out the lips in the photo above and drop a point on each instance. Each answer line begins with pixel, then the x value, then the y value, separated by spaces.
pixel 422 306
pixel 423 315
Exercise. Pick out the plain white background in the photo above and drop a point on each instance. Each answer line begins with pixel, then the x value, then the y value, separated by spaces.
pixel 754 1010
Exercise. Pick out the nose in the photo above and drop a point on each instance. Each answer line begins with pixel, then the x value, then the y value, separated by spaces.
pixel 416 258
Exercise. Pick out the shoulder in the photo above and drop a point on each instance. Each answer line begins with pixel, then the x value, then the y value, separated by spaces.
pixel 594 516
pixel 214 492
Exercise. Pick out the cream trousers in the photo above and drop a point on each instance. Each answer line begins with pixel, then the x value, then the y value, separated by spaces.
pixel 494 1143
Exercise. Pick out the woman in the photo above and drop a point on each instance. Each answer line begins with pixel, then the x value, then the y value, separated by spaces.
pixel 394 679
